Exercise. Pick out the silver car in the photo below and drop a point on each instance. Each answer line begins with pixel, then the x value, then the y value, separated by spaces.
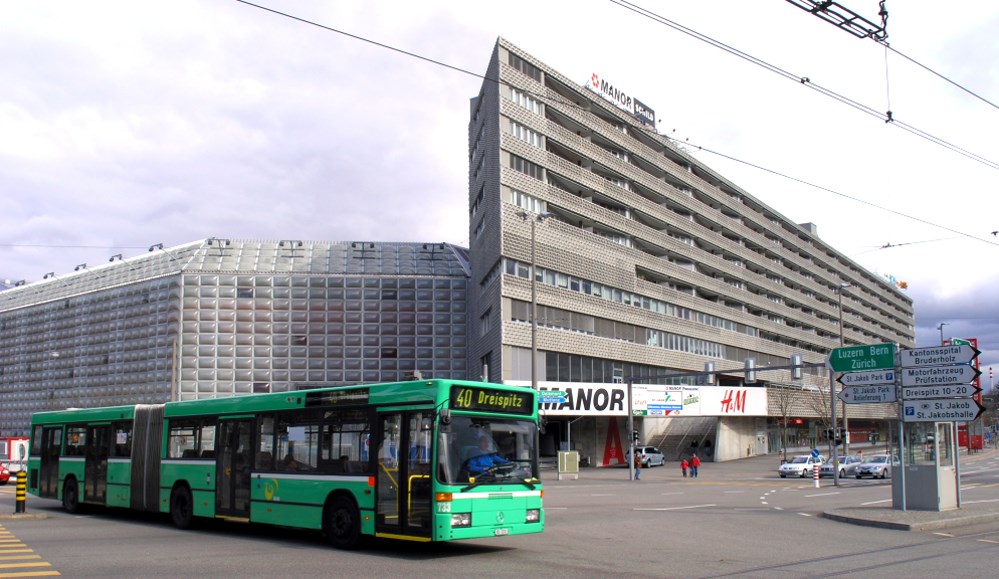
pixel 800 466
pixel 876 466
pixel 650 456
pixel 847 466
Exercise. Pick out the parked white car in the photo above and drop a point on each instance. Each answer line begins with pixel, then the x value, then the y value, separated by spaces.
pixel 800 466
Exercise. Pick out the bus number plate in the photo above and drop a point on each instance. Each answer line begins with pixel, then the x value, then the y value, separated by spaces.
pixel 501 532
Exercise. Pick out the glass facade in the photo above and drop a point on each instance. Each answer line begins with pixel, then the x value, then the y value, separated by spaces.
pixel 222 318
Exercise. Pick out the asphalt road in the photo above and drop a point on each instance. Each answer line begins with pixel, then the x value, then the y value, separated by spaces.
pixel 737 519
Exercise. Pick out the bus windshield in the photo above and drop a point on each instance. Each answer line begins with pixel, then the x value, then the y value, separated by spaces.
pixel 488 451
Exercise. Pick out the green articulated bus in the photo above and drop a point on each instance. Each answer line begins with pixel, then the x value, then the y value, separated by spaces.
pixel 428 460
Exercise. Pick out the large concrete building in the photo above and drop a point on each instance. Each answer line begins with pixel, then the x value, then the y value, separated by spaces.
pixel 223 317
pixel 649 264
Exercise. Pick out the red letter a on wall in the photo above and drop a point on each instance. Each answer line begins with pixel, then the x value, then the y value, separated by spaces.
pixel 612 445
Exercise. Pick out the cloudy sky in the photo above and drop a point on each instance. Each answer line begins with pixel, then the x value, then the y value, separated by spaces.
pixel 124 124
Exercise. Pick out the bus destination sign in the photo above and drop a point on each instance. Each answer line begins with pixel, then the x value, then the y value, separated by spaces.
pixel 491 400
pixel 336 397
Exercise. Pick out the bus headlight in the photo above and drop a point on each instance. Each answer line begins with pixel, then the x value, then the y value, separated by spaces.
pixel 461 519
pixel 533 515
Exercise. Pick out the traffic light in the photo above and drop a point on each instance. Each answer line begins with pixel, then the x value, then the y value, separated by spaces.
pixel 709 373
pixel 634 436
pixel 796 366
pixel 750 371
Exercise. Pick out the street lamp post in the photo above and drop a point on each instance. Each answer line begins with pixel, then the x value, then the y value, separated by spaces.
pixel 846 423
pixel 534 219
pixel 940 327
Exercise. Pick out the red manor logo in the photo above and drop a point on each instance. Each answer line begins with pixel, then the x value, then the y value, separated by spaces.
pixel 607 89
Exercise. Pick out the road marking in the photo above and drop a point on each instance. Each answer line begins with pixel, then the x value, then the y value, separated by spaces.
pixel 804 514
pixel 981 501
pixel 778 508
pixel 948 535
pixel 822 495
pixel 677 508
pixel 733 492
pixel 875 502
pixel 14 565
pixel 988 541
pixel 752 509
pixel 764 503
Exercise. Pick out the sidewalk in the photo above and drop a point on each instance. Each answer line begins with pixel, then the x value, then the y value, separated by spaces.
pixel 909 520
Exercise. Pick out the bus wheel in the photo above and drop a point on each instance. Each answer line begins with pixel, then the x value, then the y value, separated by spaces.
pixel 343 524
pixel 181 507
pixel 70 496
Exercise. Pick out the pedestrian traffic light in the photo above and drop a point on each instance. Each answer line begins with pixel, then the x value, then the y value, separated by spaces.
pixel 634 436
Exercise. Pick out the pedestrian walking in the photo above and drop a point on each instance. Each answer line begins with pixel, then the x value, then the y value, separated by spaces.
pixel 694 463
pixel 683 467
pixel 638 464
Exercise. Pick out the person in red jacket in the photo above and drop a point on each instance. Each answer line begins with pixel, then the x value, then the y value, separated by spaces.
pixel 683 467
pixel 694 463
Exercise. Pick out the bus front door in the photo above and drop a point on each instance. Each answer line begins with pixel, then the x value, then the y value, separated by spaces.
pixel 403 484
pixel 235 451
pixel 48 471
pixel 95 467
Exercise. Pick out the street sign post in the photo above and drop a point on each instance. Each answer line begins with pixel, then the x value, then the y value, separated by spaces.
pixel 867 394
pixel 939 375
pixel 868 357
pixel 867 378
pixel 946 410
pixel 950 391
pixel 938 355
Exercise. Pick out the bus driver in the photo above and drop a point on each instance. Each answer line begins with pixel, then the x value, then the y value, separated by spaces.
pixel 486 459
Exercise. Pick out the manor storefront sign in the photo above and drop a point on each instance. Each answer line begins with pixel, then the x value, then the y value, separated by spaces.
pixel 598 399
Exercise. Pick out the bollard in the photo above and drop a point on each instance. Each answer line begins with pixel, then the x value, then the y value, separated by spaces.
pixel 815 474
pixel 22 491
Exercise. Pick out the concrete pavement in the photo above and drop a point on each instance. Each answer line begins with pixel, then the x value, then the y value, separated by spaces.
pixel 970 513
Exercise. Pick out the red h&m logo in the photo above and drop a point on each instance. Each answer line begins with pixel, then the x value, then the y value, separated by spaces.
pixel 734 401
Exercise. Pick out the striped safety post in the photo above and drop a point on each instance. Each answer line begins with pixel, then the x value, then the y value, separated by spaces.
pixel 22 491
pixel 815 474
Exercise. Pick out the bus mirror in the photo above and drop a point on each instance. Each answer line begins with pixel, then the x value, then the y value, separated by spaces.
pixel 446 419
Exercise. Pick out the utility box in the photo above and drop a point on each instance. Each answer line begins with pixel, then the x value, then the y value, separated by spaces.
pixel 568 465
pixel 930 474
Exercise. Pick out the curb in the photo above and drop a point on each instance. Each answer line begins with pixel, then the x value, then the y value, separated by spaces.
pixel 20 516
pixel 943 523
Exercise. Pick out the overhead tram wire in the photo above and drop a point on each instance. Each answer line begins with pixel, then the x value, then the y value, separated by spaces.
pixel 937 74
pixel 861 27
pixel 567 102
pixel 804 80
pixel 828 190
